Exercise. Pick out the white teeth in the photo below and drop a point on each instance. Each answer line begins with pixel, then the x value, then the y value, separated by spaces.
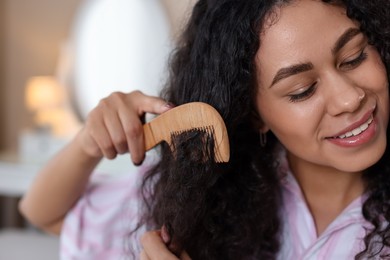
pixel 357 130
pixel 364 126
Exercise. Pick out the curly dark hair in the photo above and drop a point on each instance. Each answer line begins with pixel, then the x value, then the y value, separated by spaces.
pixel 229 211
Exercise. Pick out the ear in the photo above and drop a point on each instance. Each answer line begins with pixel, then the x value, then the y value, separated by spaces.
pixel 264 128
pixel 258 122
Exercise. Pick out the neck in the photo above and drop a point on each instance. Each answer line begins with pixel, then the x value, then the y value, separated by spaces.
pixel 327 190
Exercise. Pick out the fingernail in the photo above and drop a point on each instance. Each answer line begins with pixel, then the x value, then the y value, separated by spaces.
pixel 164 234
pixel 169 105
pixel 138 163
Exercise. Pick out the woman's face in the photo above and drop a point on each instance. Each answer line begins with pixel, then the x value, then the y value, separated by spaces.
pixel 323 90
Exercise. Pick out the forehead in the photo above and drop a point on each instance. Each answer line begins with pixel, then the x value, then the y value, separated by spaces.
pixel 302 31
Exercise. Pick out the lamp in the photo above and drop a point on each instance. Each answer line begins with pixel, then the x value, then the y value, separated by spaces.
pixel 54 122
pixel 46 98
pixel 43 92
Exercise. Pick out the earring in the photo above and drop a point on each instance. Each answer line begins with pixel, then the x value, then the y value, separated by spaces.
pixel 263 139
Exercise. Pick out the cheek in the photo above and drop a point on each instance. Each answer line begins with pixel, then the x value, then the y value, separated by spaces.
pixel 376 81
pixel 290 122
pixel 384 99
pixel 374 76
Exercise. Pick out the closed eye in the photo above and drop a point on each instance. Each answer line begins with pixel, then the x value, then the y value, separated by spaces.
pixel 351 64
pixel 303 95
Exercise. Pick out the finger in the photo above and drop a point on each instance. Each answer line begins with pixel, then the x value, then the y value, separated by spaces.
pixel 136 144
pixel 116 131
pixel 143 256
pixel 134 134
pixel 131 108
pixel 154 246
pixel 101 136
pixel 149 104
pixel 144 104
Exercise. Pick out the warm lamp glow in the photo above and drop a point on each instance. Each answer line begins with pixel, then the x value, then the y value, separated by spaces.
pixel 43 92
pixel 46 98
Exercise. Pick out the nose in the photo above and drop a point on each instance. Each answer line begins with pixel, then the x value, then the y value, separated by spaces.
pixel 343 96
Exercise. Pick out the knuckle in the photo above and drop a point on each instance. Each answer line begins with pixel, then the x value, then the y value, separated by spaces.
pixel 103 102
pixel 109 153
pixel 92 116
pixel 121 101
pixel 107 146
pixel 111 100
pixel 92 131
pixel 136 96
pixel 94 151
pixel 134 131
pixel 136 93
pixel 120 144
pixel 119 140
pixel 116 95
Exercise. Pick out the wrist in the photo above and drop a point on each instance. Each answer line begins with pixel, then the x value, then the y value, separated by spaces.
pixel 86 150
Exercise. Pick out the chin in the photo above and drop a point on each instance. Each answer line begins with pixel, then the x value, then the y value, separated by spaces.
pixel 361 161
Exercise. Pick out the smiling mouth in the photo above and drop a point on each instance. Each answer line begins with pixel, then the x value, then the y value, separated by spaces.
pixel 358 130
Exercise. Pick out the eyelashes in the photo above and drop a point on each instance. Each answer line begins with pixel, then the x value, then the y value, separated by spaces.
pixel 303 95
pixel 354 62
pixel 347 65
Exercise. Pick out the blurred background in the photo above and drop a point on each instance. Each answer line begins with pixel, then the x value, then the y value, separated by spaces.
pixel 57 59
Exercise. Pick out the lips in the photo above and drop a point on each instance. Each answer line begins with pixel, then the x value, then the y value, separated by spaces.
pixel 358 134
pixel 358 130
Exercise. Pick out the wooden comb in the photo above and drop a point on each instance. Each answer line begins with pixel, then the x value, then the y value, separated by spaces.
pixel 190 116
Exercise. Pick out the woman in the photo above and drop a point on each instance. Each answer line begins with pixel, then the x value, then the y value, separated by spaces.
pixel 303 89
pixel 316 81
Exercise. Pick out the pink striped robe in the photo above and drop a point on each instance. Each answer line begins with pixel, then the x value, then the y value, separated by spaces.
pixel 341 240
pixel 97 227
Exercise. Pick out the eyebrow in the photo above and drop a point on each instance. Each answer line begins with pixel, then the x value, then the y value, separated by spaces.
pixel 348 35
pixel 344 39
pixel 291 70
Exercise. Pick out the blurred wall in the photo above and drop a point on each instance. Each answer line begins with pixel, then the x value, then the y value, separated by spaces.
pixel 178 12
pixel 31 37
pixel 2 85
pixel 31 33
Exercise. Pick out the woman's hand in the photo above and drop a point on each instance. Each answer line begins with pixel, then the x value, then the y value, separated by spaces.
pixel 154 244
pixel 115 125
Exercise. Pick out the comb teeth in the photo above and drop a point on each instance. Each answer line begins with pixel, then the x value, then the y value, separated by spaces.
pixel 195 116
pixel 208 129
